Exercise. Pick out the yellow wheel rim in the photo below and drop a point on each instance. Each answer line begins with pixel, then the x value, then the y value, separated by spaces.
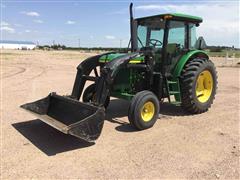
pixel 147 111
pixel 204 86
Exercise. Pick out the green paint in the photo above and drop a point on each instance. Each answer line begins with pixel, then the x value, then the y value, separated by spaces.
pixel 186 16
pixel 122 86
pixel 178 68
pixel 107 58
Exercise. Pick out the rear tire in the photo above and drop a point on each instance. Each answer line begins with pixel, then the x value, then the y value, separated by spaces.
pixel 144 110
pixel 89 94
pixel 198 84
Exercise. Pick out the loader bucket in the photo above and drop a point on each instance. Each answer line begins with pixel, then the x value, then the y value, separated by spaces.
pixel 69 116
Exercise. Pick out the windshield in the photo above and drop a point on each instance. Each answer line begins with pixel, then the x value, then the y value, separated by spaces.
pixel 176 34
pixel 150 33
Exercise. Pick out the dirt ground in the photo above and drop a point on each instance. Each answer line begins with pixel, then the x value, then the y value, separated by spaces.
pixel 178 146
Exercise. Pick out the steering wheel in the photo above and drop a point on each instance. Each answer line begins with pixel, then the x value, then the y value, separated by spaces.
pixel 155 43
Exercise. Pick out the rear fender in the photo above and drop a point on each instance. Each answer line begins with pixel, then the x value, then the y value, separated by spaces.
pixel 184 59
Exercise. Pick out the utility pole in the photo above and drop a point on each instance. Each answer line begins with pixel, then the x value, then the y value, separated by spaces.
pixel 120 43
pixel 79 43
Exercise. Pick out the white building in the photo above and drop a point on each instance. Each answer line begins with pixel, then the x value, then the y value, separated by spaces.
pixel 24 45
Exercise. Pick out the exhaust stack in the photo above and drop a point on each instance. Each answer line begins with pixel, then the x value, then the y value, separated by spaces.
pixel 133 39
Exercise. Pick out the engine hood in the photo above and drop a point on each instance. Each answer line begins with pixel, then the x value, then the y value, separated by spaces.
pixel 110 57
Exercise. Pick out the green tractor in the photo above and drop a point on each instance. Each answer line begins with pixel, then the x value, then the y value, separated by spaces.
pixel 165 61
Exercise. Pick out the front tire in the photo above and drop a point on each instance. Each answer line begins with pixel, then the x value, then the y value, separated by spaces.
pixel 198 84
pixel 144 110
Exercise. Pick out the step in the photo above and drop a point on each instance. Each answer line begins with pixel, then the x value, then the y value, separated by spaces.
pixel 172 82
pixel 176 103
pixel 173 92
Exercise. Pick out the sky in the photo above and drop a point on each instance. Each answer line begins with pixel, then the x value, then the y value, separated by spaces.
pixel 105 23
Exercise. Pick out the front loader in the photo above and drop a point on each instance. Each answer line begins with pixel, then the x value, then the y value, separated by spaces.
pixel 166 61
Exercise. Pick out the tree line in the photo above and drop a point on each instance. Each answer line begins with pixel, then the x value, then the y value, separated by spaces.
pixel 63 47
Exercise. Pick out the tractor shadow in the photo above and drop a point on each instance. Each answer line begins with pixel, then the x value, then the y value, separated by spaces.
pixel 49 140
pixel 118 109
pixel 168 109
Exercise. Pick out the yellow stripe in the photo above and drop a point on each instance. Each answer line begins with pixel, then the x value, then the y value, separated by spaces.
pixel 132 61
pixel 135 61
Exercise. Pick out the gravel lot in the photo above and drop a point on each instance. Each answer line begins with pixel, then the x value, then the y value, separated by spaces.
pixel 178 146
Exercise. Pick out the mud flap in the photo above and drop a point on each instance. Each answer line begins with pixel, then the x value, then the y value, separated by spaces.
pixel 69 116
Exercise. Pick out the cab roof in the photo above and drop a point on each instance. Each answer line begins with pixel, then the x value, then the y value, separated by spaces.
pixel 174 16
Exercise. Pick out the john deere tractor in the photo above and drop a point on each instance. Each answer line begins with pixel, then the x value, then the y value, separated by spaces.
pixel 165 61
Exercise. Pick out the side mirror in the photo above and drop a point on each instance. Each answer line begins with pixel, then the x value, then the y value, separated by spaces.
pixel 200 43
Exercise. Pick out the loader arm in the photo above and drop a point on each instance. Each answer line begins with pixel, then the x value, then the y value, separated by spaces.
pixel 83 71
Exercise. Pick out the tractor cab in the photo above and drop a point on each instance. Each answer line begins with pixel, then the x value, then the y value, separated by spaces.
pixel 167 36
